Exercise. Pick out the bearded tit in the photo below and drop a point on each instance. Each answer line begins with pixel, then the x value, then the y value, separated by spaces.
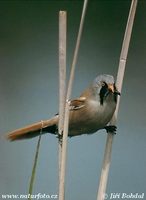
pixel 90 112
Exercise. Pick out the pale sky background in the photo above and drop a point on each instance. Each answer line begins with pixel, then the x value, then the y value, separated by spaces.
pixel 29 93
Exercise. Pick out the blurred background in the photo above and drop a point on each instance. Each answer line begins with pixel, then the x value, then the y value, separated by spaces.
pixel 29 93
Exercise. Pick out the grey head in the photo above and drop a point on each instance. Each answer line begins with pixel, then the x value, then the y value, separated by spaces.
pixel 108 79
pixel 104 85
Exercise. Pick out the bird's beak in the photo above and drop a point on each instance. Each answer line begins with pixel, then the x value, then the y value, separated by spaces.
pixel 113 89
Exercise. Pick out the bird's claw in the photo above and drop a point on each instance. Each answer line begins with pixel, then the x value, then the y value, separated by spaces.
pixel 111 129
pixel 59 136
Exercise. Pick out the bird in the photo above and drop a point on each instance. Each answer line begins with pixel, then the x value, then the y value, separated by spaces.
pixel 88 113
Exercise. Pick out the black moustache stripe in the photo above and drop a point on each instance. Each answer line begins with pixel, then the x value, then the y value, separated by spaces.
pixel 104 93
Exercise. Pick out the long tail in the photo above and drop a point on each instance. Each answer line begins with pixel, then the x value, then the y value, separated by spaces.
pixel 47 126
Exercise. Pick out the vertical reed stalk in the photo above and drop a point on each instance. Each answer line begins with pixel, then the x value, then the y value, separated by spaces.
pixel 66 117
pixel 120 75
pixel 62 78
pixel 31 184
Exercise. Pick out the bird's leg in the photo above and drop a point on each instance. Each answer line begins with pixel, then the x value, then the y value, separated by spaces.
pixel 60 136
pixel 111 129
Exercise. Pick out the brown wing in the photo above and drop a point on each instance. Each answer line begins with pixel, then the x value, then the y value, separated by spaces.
pixel 78 103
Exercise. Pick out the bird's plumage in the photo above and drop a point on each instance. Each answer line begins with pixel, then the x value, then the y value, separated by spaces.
pixel 88 113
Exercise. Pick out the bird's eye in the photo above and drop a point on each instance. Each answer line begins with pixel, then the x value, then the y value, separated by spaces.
pixel 103 84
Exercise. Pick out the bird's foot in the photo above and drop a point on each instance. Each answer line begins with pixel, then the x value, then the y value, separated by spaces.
pixel 111 129
pixel 59 136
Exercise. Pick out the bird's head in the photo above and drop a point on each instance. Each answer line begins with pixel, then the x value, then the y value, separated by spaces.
pixel 105 86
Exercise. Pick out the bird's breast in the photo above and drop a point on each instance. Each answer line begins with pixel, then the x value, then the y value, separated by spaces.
pixel 101 114
pixel 92 117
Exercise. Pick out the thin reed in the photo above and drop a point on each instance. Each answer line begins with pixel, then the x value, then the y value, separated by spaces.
pixel 120 75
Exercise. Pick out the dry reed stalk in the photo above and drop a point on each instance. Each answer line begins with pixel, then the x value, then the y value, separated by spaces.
pixel 62 78
pixel 66 116
pixel 120 75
